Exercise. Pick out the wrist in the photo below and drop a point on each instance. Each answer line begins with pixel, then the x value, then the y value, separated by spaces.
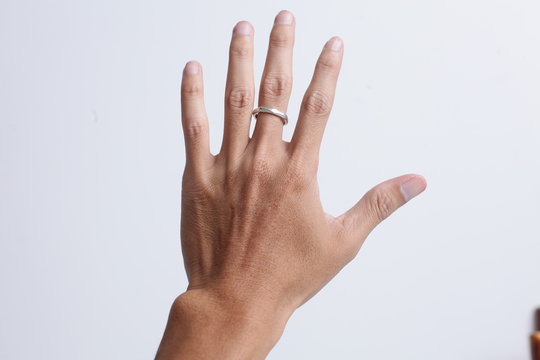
pixel 238 329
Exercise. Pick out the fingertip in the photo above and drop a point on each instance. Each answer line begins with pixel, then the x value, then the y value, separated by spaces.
pixel 412 186
pixel 284 17
pixel 192 67
pixel 243 28
pixel 335 43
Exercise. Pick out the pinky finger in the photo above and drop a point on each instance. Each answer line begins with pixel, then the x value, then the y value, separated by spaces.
pixel 194 118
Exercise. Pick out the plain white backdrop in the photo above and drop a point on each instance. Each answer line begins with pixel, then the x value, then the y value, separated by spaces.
pixel 91 156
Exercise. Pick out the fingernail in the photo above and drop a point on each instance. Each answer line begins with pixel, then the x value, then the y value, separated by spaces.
pixel 192 68
pixel 243 28
pixel 413 187
pixel 334 43
pixel 284 17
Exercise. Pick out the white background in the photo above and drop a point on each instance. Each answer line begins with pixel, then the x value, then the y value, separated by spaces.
pixel 91 155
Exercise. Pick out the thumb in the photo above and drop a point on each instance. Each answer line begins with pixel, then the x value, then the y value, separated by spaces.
pixel 378 203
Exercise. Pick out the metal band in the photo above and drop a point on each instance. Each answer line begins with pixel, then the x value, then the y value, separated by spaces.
pixel 284 118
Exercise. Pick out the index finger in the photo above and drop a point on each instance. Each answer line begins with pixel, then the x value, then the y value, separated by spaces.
pixel 318 100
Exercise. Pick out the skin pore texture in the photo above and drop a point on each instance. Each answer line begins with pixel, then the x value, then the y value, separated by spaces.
pixel 256 241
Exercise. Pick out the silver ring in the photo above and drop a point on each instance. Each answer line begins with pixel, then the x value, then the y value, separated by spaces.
pixel 284 118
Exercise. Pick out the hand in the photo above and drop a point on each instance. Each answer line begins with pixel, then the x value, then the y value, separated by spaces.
pixel 256 241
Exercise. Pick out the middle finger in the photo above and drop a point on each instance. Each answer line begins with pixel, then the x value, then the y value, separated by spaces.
pixel 276 83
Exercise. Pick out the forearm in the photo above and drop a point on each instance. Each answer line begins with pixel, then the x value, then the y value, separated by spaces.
pixel 200 326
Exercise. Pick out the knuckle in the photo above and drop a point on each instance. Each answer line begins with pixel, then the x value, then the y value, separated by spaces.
pixel 195 127
pixel 280 39
pixel 231 180
pixel 299 174
pixel 196 186
pixel 380 204
pixel 261 170
pixel 276 85
pixel 317 103
pixel 328 63
pixel 239 98
pixel 239 50
pixel 191 89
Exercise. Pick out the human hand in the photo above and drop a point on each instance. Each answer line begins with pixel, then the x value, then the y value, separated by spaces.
pixel 256 241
